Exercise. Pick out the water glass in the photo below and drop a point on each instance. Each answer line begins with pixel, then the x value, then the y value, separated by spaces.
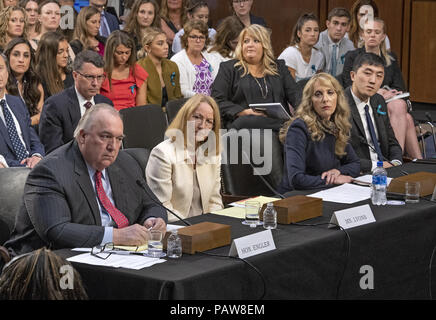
pixel 155 245
pixel 252 213
pixel 412 191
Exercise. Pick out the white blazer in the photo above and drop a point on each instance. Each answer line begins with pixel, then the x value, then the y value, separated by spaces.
pixel 188 73
pixel 170 176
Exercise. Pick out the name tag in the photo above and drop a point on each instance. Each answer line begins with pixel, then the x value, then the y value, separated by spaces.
pixel 353 217
pixel 252 245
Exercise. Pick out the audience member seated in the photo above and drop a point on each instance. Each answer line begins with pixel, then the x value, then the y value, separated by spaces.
pixel 184 170
pixel 23 81
pixel 372 136
pixel 51 63
pixel 301 57
pixel 361 12
pixel 61 113
pixel 163 82
pixel 196 10
pixel 253 77
pixel 49 16
pixel 332 42
pixel 173 16
pixel 226 39
pixel 41 275
pixel 86 31
pixel 144 14
pixel 19 143
pixel 242 10
pixel 8 3
pixel 316 139
pixel 126 81
pixel 401 121
pixel 85 194
pixel 12 25
pixel 67 9
pixel 197 67
pixel 31 8
pixel 109 22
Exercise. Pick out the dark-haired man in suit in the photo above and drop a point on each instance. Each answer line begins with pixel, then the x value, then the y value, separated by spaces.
pixel 85 193
pixel 61 113
pixel 19 143
pixel 372 136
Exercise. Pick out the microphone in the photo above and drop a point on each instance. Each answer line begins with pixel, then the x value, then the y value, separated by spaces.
pixel 430 122
pixel 262 178
pixel 143 186
pixel 363 140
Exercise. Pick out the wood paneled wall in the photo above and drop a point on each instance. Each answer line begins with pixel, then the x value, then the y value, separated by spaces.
pixel 411 26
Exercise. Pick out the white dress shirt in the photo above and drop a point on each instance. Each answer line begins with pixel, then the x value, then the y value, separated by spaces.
pixel 17 125
pixel 82 102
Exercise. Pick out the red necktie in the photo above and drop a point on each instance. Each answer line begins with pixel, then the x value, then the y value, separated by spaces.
pixel 88 105
pixel 119 218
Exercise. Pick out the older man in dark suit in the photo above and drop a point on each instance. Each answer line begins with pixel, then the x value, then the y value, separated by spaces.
pixel 85 193
pixel 19 143
pixel 372 136
pixel 61 112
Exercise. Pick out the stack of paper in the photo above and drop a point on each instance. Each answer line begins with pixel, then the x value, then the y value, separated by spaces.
pixel 128 261
pixel 346 193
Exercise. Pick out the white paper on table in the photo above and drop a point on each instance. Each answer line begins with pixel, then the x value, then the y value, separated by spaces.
pixel 117 261
pixel 346 193
pixel 171 227
pixel 368 179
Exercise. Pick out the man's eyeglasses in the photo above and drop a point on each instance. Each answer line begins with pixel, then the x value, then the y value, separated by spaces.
pixel 103 252
pixel 91 78
pixel 196 38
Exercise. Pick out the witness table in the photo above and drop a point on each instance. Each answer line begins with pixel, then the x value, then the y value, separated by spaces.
pixel 310 262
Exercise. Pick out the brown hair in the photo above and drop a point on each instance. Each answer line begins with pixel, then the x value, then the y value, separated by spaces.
pixel 229 29
pixel 354 33
pixel 132 25
pixel 194 25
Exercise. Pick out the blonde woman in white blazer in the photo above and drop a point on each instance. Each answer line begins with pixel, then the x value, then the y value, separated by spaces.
pixel 197 67
pixel 184 170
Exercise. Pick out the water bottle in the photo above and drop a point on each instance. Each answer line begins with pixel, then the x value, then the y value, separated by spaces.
pixel 379 185
pixel 270 217
pixel 174 245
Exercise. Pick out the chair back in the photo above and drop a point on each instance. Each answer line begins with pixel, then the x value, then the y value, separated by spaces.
pixel 247 148
pixel 144 126
pixel 11 198
pixel 173 107
pixel 141 155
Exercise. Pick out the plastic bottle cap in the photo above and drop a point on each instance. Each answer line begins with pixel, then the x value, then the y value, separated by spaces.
pixel 379 163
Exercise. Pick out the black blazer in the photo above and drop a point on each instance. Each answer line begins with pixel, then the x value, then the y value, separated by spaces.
pixel 60 116
pixel 77 46
pixel 389 146
pixel 233 93
pixel 393 76
pixel 60 206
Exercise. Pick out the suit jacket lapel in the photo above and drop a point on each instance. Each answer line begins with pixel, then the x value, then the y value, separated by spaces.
pixel 73 106
pixel 83 179
pixel 5 135
pixel 379 122
pixel 355 113
pixel 20 119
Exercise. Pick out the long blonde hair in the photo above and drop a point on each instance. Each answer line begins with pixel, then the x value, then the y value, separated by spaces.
pixel 261 34
pixel 384 52
pixel 306 112
pixel 180 121
pixel 81 32
pixel 5 15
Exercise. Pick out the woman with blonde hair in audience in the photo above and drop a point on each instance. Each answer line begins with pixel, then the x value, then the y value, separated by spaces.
pixel 255 76
pixel 144 14
pixel 184 170
pixel 316 139
pixel 173 17
pixel 40 275
pixel 86 31
pixel 13 24
pixel 23 80
pixel 126 81
pixel 163 82
pixel 197 67
pixel 374 37
pixel 302 58
pixel 51 63
pixel 31 8
pixel 226 39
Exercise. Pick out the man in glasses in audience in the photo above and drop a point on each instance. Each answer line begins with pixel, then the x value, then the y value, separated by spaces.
pixel 85 193
pixel 61 113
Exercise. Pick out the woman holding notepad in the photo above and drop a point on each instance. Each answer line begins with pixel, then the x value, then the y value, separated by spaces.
pixel 253 77
pixel 316 139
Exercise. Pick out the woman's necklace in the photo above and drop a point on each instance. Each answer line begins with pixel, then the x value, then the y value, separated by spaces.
pixel 261 89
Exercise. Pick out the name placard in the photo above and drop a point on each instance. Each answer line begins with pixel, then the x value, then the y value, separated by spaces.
pixel 353 217
pixel 252 245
